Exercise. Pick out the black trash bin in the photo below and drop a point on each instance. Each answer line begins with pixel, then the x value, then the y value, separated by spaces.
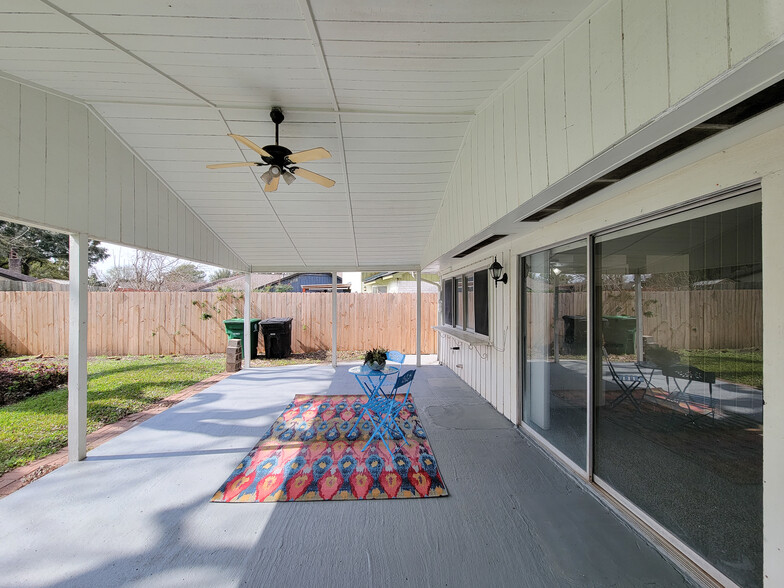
pixel 235 329
pixel 575 334
pixel 277 337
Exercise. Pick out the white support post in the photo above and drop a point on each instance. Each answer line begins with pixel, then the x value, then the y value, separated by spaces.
pixel 419 319
pixel 77 348
pixel 246 325
pixel 334 319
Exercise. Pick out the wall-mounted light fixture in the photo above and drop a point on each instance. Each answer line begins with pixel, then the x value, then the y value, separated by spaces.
pixel 495 272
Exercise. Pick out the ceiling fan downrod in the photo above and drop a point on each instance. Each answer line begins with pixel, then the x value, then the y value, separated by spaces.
pixel 276 114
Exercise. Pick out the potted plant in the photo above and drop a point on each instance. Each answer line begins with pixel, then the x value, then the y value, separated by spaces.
pixel 376 359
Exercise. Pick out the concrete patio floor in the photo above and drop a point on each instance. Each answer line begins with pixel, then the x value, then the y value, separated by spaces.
pixel 136 512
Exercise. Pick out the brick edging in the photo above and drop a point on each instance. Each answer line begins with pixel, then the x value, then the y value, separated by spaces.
pixel 18 478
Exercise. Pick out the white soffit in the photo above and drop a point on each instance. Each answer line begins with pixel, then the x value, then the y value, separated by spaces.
pixel 387 88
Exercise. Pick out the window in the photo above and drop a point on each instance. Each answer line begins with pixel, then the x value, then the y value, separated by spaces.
pixel 459 303
pixel 465 302
pixel 448 302
pixel 379 289
pixel 470 318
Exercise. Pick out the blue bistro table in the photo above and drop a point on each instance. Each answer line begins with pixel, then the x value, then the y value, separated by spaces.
pixel 371 380
pixel 378 405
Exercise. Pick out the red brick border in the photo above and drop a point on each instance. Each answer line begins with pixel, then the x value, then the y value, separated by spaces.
pixel 18 478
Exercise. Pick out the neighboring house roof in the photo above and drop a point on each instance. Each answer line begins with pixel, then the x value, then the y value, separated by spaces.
pixel 290 277
pixel 325 287
pixel 375 277
pixel 15 276
pixel 237 282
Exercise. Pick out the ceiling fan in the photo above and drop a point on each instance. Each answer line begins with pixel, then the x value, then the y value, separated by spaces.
pixel 281 160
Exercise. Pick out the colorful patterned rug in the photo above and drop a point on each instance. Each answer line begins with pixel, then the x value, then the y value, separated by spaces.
pixel 308 455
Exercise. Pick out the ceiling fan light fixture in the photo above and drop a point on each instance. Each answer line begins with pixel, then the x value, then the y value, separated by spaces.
pixel 274 170
pixel 289 177
pixel 266 177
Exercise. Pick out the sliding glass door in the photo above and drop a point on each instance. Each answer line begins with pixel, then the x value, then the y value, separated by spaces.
pixel 555 387
pixel 679 398
pixel 676 423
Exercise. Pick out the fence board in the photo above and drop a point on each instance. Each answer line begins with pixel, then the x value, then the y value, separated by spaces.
pixel 162 323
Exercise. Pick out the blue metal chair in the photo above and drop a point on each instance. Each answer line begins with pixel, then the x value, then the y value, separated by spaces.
pixel 383 413
pixel 396 356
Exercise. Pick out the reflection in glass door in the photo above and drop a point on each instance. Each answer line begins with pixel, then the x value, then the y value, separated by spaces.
pixel 555 326
pixel 679 403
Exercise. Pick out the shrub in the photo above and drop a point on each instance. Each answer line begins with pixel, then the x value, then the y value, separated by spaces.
pixel 4 350
pixel 19 380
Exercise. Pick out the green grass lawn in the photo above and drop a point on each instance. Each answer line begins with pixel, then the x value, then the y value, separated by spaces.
pixel 741 366
pixel 38 426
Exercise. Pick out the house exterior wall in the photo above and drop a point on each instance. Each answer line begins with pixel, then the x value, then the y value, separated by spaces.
pixel 409 287
pixel 628 65
pixel 493 370
pixel 62 169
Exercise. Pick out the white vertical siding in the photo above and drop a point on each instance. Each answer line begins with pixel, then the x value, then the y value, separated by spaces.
pixel 522 156
pixel 61 168
pixel 622 67
pixel 9 147
pixel 698 44
pixel 606 57
pixel 491 369
pixel 646 82
pixel 579 133
pixel 753 23
pixel 555 114
pixel 536 127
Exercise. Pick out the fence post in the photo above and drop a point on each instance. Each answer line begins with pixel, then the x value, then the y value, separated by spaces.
pixel 334 319
pixel 419 319
pixel 246 321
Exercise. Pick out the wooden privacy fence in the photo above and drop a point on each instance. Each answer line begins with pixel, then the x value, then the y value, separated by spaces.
pixel 162 323
pixel 677 319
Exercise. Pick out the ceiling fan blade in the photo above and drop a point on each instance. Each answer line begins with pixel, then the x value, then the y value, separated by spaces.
pixel 313 177
pixel 273 185
pixel 251 144
pixel 309 155
pixel 238 164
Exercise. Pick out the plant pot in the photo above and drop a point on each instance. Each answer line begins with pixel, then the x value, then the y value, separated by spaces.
pixel 377 366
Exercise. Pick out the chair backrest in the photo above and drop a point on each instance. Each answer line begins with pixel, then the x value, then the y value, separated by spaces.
pixel 613 373
pixel 404 380
pixel 396 356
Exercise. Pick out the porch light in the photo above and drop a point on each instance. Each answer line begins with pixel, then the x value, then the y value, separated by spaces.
pixel 495 272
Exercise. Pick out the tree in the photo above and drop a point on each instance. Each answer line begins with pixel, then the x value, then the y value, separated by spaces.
pixel 221 274
pixel 41 253
pixel 184 273
pixel 147 271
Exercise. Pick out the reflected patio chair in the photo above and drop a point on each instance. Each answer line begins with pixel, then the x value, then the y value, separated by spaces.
pixel 695 408
pixel 628 383
pixel 383 414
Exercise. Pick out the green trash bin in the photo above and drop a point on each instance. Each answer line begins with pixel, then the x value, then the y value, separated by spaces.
pixel 619 332
pixel 235 329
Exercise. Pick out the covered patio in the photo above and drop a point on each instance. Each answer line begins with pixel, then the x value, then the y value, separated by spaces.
pixel 137 511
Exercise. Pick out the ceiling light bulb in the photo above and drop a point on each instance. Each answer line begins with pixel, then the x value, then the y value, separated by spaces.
pixel 288 176
pixel 275 171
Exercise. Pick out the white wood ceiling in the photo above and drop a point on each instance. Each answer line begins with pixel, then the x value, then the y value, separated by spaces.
pixel 388 88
